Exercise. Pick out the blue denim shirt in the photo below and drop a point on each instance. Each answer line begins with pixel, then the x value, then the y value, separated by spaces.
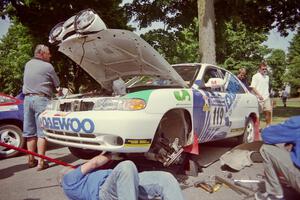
pixel 286 132
pixel 78 186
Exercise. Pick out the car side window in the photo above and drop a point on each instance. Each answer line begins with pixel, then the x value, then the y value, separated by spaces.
pixel 233 85
pixel 212 72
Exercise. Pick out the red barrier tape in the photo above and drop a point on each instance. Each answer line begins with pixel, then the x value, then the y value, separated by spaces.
pixel 37 155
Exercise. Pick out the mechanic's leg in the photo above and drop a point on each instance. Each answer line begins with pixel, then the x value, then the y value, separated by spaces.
pixel 268 117
pixel 41 147
pixel 122 183
pixel 160 183
pixel 29 127
pixel 31 146
pixel 40 104
pixel 278 160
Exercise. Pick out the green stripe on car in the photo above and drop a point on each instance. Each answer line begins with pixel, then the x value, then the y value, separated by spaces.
pixel 141 95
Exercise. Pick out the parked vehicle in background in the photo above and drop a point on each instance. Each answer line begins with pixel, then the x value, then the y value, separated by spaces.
pixel 11 123
pixel 165 111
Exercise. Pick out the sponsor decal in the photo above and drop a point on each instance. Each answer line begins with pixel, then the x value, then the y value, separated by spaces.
pixel 182 95
pixel 137 142
pixel 68 124
pixel 206 107
pixel 237 129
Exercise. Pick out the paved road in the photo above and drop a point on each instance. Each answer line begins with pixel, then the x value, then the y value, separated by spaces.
pixel 18 182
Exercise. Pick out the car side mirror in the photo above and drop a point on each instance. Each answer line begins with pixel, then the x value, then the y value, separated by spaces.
pixel 215 83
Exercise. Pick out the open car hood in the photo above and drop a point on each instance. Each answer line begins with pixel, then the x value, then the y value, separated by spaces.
pixel 112 53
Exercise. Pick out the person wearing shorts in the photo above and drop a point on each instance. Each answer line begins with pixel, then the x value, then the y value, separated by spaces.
pixel 260 87
pixel 38 83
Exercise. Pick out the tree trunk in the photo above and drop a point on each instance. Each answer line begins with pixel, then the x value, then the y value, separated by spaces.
pixel 207 45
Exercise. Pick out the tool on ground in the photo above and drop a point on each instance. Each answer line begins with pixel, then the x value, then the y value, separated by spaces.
pixel 231 186
pixel 243 186
pixel 207 187
pixel 245 181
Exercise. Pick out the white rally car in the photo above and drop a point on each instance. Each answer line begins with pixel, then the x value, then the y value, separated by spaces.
pixel 167 110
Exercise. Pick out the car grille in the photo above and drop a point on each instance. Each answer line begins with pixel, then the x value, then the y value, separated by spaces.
pixel 76 106
pixel 89 140
pixel 53 135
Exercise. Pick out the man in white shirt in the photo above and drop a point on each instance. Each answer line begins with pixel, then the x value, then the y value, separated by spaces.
pixel 260 87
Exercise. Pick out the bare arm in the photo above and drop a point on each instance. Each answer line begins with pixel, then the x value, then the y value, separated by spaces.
pixel 94 163
pixel 257 93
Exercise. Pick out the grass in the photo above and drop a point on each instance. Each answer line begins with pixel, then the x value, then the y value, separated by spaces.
pixel 281 113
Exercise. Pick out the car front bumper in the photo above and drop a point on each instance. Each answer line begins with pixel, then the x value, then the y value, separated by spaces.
pixel 114 131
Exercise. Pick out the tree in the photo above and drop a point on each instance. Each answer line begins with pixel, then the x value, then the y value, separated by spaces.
pixel 15 50
pixel 39 17
pixel 293 68
pixel 176 47
pixel 277 62
pixel 261 16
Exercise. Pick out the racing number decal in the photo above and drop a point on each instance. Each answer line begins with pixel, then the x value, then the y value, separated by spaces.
pixel 218 115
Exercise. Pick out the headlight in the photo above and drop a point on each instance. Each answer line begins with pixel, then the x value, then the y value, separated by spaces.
pixel 55 32
pixel 119 104
pixel 69 22
pixel 53 105
pixel 87 21
pixel 84 18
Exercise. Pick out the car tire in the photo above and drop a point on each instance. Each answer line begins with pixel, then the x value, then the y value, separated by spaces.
pixel 12 135
pixel 249 133
pixel 84 153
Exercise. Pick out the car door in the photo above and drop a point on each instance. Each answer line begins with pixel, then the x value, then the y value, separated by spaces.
pixel 214 124
pixel 236 104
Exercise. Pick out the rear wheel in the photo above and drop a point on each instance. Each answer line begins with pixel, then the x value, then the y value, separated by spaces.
pixel 12 135
pixel 249 133
pixel 84 153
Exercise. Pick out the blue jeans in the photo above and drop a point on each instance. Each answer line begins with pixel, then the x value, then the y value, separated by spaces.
pixel 33 107
pixel 125 183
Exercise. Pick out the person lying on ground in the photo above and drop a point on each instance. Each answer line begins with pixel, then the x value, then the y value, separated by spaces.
pixel 121 183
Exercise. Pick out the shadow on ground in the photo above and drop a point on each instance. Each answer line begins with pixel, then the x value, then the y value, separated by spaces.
pixel 10 171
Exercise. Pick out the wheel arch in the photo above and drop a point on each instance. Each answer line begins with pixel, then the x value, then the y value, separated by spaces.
pixel 255 119
pixel 176 122
pixel 15 122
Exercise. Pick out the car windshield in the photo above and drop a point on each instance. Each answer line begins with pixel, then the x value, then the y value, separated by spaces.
pixel 148 81
pixel 187 72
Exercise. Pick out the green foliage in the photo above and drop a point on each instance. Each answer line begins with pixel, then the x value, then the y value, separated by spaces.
pixel 241 46
pixel 256 14
pixel 176 47
pixel 277 62
pixel 293 68
pixel 15 50
pixel 241 43
pixel 39 17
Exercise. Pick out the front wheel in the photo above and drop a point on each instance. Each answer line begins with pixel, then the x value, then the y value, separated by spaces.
pixel 84 153
pixel 249 133
pixel 12 135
